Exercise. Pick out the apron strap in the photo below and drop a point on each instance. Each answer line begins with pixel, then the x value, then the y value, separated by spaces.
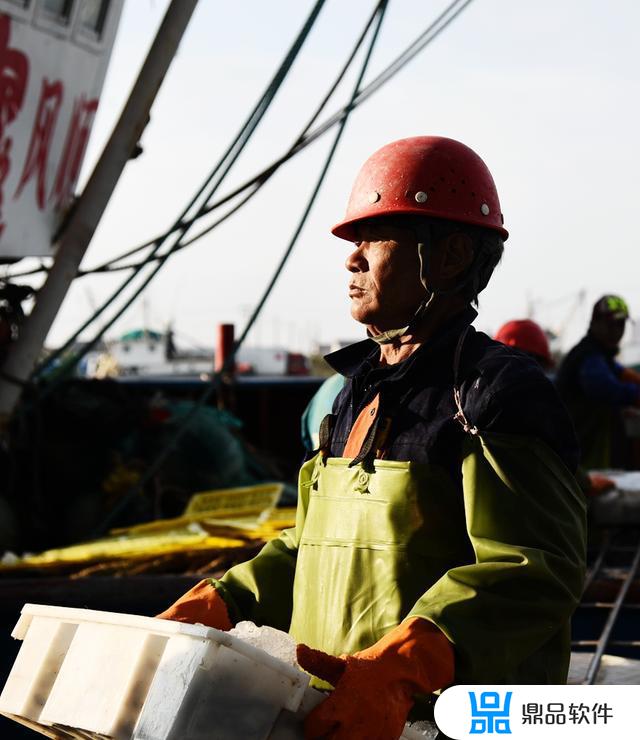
pixel 325 433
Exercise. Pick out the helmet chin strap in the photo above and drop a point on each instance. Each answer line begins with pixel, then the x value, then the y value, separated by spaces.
pixel 389 336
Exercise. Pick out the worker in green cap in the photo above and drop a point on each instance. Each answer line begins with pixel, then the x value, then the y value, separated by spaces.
pixel 440 533
pixel 597 389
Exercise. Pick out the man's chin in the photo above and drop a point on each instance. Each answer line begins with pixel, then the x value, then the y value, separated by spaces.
pixel 368 322
pixel 373 325
pixel 362 317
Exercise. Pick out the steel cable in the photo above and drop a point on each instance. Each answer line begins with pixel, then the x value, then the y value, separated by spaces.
pixel 220 171
pixel 426 37
pixel 256 182
pixel 153 468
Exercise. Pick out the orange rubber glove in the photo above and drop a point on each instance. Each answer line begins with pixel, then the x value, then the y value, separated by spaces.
pixel 374 688
pixel 599 484
pixel 201 605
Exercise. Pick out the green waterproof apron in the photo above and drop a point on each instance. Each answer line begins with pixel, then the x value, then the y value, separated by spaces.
pixel 371 542
pixel 498 566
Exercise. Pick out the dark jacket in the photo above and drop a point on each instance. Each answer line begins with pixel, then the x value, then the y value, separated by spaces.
pixel 502 390
pixel 589 383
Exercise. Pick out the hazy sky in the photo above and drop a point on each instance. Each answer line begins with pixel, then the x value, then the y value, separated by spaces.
pixel 546 92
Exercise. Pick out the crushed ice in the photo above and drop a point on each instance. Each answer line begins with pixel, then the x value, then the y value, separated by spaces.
pixel 275 642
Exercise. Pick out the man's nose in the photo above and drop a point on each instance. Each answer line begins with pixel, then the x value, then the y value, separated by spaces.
pixel 356 261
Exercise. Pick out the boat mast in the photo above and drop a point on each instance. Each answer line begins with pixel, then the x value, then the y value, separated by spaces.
pixel 85 218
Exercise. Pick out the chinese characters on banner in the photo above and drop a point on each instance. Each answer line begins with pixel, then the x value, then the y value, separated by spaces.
pixel 14 73
pixel 38 153
pixel 74 148
pixel 56 191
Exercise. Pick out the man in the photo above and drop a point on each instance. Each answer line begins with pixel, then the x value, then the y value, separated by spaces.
pixel 529 337
pixel 596 388
pixel 440 532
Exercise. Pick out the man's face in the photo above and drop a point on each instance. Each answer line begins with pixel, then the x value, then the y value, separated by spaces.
pixel 384 285
pixel 608 331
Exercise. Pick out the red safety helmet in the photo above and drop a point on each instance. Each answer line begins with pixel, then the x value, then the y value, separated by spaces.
pixel 526 335
pixel 425 176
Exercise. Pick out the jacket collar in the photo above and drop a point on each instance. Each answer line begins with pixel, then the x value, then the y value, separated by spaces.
pixel 363 356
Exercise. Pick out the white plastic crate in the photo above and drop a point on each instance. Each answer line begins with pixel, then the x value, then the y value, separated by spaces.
pixel 92 675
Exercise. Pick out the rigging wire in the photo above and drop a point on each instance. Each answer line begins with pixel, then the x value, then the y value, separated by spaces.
pixel 219 171
pixel 316 190
pixel 183 244
pixel 426 37
pixel 72 361
pixel 33 271
pixel 214 385
pixel 453 10
pixel 256 182
pixel 435 28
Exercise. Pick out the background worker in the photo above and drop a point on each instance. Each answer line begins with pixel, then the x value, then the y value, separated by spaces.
pixel 440 532
pixel 596 389
pixel 529 337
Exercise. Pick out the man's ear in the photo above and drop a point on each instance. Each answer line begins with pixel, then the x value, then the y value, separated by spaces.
pixel 457 255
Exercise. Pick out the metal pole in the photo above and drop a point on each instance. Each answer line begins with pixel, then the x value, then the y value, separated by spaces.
pixel 597 566
pixel 93 201
pixel 224 347
pixel 605 637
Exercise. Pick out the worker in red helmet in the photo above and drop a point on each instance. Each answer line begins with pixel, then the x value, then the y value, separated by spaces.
pixel 440 533
pixel 596 388
pixel 529 337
